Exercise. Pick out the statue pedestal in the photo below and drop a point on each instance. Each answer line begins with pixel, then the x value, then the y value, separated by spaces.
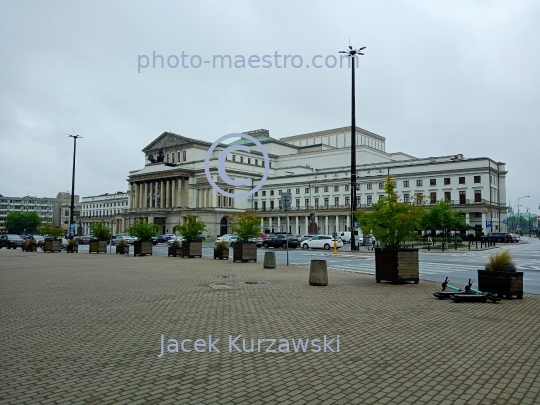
pixel 312 228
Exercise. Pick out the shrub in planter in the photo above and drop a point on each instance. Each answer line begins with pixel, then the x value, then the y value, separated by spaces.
pixel 122 247
pixel 72 246
pixel 191 232
pixel 392 222
pixel 53 238
pixel 30 245
pixel 221 250
pixel 500 276
pixel 247 226
pixel 100 232
pixel 144 232
pixel 175 249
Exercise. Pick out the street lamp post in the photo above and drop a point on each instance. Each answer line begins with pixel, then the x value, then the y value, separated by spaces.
pixel 519 215
pixel 351 53
pixel 72 207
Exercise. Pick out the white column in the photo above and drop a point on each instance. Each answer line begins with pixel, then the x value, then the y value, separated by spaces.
pixel 270 223
pixel 326 224
pixel 262 225
pixel 173 193
pixel 306 222
pixel 161 195
pixel 296 225
pixel 167 203
pixel 123 224
pixel 348 223
pixel 144 196
pixel 179 201
pixel 467 219
pixel 337 223
pixel 279 224
pixel 484 223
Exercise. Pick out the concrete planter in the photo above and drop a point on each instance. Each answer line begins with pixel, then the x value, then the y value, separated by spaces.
pixel 269 260
pixel 318 273
pixel 29 248
pixel 220 253
pixel 52 245
pixel 122 250
pixel 244 251
pixel 502 283
pixel 191 249
pixel 396 265
pixel 97 246
pixel 142 248
pixel 174 251
pixel 72 248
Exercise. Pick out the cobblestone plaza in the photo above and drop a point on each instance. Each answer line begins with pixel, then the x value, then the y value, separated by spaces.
pixel 86 329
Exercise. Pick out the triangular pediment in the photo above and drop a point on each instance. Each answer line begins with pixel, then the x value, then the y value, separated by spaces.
pixel 167 139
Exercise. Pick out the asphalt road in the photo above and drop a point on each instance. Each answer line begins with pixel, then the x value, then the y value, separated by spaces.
pixel 435 266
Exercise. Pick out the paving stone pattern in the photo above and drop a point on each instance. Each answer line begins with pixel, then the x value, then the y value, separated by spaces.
pixel 85 329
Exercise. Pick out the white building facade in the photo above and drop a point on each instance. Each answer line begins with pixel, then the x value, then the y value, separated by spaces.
pixel 106 207
pixel 315 169
pixel 44 207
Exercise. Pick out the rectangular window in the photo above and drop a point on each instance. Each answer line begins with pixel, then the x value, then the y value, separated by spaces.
pixel 306 191
pixel 271 205
pixel 241 159
pixel 298 203
pixel 271 192
pixel 406 198
pixel 462 199
pixel 478 215
pixel 381 186
pixel 326 189
pixel 406 183
pixel 256 205
pixel 369 200
pixel 381 196
pixel 336 188
pixel 264 205
pixel 249 161
pixel 256 194
pixel 433 198
pixel 462 180
pixel 297 191
pixel 264 193
pixel 316 189
pixel 326 202
pixel 184 155
pixel 346 187
pixel 477 179
pixel 477 195
pixel 269 164
pixel 369 186
pixel 306 203
pixel 347 201
pixel 446 181
pixel 419 198
pixel 419 183
pixel 234 158
pixel 447 196
pixel 358 200
pixel 432 182
pixel 167 158
pixel 336 201
pixel 289 190
pixel 316 203
pixel 279 192
pixel 256 162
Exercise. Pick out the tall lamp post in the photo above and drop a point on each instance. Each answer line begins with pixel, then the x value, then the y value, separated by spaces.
pixel 351 53
pixel 72 207
pixel 519 215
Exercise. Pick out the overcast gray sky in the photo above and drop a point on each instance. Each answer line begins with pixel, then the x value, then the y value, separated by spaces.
pixel 438 78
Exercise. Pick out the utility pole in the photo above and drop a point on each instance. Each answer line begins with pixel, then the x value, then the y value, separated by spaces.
pixel 351 53
pixel 72 207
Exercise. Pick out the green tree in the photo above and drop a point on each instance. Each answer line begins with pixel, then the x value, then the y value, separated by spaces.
pixel 32 221
pixel 246 225
pixel 391 221
pixel 191 229
pixel 15 222
pixel 442 217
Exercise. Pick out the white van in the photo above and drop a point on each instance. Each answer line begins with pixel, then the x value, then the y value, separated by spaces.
pixel 345 236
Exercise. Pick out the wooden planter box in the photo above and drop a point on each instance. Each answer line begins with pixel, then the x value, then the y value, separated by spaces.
pixel 97 246
pixel 191 249
pixel 122 250
pixel 502 283
pixel 142 247
pixel 72 249
pixel 221 253
pixel 244 251
pixel 29 248
pixel 174 251
pixel 396 265
pixel 52 245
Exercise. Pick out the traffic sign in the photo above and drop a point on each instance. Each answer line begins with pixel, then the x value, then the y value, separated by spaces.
pixel 488 224
pixel 286 200
pixel 518 226
pixel 505 221
pixel 355 224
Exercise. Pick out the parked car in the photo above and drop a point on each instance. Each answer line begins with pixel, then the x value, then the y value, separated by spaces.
pixel 322 242
pixel 515 237
pixel 83 240
pixel 228 237
pixel 179 238
pixel 280 240
pixel 258 241
pixel 498 237
pixel 128 238
pixel 306 237
pixel 11 241
pixel 39 239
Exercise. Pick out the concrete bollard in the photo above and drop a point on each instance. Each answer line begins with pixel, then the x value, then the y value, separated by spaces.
pixel 269 260
pixel 318 273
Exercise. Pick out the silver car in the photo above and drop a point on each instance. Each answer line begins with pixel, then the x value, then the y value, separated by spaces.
pixel 128 238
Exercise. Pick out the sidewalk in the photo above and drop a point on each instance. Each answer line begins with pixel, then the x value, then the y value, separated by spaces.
pixel 86 329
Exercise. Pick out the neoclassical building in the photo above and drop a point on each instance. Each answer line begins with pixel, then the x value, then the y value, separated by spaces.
pixel 315 169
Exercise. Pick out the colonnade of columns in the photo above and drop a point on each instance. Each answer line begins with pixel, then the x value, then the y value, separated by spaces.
pixel 164 193
pixel 329 224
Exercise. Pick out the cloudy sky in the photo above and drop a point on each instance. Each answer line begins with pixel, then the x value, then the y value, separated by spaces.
pixel 438 78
